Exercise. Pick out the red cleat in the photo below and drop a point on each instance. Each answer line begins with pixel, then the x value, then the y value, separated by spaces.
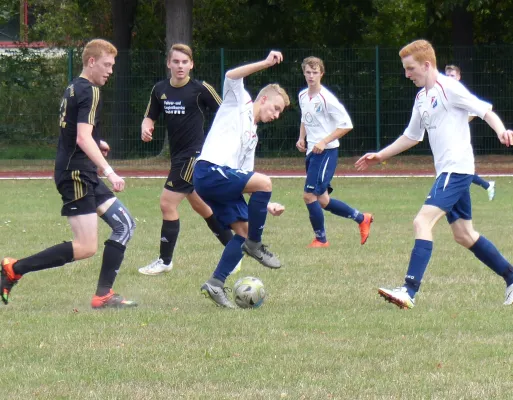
pixel 316 244
pixel 365 226
pixel 8 278
pixel 111 300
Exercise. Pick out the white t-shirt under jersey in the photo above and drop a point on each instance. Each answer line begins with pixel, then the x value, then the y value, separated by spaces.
pixel 232 139
pixel 321 115
pixel 443 112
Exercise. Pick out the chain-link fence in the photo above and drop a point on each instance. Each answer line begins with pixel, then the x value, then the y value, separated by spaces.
pixel 369 81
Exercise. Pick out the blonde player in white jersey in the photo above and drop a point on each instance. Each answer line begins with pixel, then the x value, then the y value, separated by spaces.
pixel 441 108
pixel 324 120
pixel 453 71
pixel 224 172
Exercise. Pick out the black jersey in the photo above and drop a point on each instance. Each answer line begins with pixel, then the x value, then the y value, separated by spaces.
pixel 184 109
pixel 81 103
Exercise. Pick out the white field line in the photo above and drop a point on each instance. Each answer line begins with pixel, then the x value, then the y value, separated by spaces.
pixel 21 178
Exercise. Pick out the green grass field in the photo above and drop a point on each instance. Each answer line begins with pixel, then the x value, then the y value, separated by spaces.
pixel 323 332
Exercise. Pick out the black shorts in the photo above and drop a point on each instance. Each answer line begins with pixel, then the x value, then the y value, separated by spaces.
pixel 81 191
pixel 180 176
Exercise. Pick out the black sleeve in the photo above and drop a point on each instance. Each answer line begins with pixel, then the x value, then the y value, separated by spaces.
pixel 153 109
pixel 210 98
pixel 87 102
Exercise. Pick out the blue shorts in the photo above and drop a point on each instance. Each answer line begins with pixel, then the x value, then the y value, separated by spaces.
pixel 221 188
pixel 451 193
pixel 320 169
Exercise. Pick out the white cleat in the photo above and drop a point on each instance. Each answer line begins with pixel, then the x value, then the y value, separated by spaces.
pixel 157 267
pixel 509 296
pixel 491 190
pixel 398 296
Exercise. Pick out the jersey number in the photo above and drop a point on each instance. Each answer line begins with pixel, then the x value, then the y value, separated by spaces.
pixel 62 116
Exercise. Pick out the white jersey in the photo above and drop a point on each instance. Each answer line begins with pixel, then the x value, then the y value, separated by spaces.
pixel 232 139
pixel 321 115
pixel 443 112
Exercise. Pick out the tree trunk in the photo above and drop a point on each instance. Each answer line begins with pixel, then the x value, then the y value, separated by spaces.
pixel 463 40
pixel 123 16
pixel 178 22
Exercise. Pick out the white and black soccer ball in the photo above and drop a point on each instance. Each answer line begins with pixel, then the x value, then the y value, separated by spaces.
pixel 249 292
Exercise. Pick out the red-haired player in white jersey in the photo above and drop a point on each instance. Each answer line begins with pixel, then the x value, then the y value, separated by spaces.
pixel 441 108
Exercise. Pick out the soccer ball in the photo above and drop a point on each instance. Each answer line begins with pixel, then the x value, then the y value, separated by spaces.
pixel 249 292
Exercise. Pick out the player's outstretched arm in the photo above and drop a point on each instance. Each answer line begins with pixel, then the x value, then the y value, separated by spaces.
pixel 274 57
pixel 402 143
pixel 505 135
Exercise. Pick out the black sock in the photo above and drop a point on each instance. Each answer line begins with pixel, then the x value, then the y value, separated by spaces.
pixel 223 235
pixel 168 237
pixel 55 256
pixel 113 255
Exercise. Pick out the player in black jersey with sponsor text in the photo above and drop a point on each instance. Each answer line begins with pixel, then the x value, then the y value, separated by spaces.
pixel 80 154
pixel 183 101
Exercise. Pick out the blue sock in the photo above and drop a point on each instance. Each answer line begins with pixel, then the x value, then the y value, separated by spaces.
pixel 480 181
pixel 257 214
pixel 342 209
pixel 317 220
pixel 232 254
pixel 419 260
pixel 487 253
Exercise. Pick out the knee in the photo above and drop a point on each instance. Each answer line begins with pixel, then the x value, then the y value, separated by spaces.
pixel 420 224
pixel 121 222
pixel 266 184
pixel 169 211
pixel 309 198
pixel 241 229
pixel 166 206
pixel 82 250
pixel 465 238
pixel 124 231
pixel 323 200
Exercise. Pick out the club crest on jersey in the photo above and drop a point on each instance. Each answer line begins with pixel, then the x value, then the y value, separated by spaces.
pixel 317 107
pixel 434 101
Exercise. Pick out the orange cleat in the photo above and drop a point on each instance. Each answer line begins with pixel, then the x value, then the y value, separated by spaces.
pixel 365 226
pixel 8 278
pixel 111 300
pixel 316 244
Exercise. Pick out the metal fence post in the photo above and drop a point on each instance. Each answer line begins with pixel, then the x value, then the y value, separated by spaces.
pixel 378 121
pixel 70 64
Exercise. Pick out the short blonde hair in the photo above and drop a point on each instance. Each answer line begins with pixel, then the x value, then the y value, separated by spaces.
pixel 313 62
pixel 95 48
pixel 451 67
pixel 273 89
pixel 182 48
pixel 421 50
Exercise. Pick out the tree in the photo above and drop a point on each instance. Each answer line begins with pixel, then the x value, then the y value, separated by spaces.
pixel 178 22
pixel 123 17
pixel 70 23
pixel 394 22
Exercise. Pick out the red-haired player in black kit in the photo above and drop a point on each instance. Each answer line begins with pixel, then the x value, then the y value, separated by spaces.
pixel 80 155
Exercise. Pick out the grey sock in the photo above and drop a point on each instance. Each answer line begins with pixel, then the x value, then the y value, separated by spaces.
pixel 252 244
pixel 215 282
